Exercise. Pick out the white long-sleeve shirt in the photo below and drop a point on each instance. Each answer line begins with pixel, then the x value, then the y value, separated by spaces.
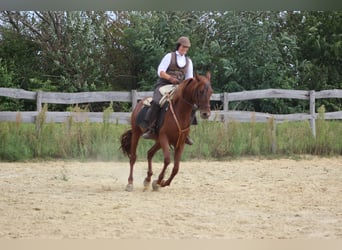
pixel 181 61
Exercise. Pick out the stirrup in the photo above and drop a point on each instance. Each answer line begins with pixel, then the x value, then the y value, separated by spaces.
pixel 148 134
pixel 189 141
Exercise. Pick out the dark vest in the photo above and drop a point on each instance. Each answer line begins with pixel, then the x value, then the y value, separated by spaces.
pixel 174 70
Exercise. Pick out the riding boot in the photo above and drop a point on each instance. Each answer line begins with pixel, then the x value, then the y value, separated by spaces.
pixel 151 117
pixel 193 121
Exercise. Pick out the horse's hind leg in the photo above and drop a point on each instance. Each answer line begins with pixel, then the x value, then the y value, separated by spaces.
pixel 150 155
pixel 132 160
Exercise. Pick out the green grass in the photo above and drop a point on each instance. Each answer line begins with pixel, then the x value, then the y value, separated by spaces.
pixel 213 140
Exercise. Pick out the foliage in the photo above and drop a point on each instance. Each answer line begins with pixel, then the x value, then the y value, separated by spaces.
pixel 18 55
pixel 321 48
pixel 120 50
pixel 101 141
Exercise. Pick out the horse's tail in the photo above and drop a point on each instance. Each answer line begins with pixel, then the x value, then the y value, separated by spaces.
pixel 126 142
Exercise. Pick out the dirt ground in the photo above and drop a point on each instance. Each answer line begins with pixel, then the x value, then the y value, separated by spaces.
pixel 237 199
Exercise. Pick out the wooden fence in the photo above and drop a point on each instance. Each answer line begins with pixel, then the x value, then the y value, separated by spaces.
pixel 224 115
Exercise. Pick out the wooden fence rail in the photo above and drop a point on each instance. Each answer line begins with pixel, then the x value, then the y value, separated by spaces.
pixel 224 115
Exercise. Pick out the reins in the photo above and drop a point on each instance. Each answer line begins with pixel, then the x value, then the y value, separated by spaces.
pixel 180 130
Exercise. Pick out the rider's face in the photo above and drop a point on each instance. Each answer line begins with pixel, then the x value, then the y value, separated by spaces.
pixel 183 50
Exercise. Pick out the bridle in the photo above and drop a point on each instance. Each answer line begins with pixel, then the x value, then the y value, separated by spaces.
pixel 194 106
pixel 197 96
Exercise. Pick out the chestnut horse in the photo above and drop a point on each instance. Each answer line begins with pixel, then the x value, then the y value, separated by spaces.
pixel 193 92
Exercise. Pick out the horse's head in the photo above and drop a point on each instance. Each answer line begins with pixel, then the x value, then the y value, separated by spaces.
pixel 199 92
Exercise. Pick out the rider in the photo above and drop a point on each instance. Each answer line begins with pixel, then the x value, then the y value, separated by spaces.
pixel 173 69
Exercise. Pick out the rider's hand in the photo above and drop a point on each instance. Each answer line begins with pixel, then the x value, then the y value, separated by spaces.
pixel 174 80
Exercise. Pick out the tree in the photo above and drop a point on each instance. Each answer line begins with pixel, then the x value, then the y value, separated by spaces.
pixel 69 44
pixel 149 36
pixel 319 36
pixel 245 50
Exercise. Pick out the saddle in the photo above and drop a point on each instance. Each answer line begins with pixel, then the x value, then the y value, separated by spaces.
pixel 167 92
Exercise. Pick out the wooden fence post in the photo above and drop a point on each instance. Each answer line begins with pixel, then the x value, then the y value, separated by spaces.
pixel 134 98
pixel 39 109
pixel 39 100
pixel 225 106
pixel 312 112
pixel 274 136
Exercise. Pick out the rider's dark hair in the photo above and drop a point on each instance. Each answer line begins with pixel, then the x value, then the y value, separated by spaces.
pixel 177 46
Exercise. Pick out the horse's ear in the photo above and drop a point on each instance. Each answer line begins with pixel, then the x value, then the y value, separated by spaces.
pixel 208 75
pixel 196 76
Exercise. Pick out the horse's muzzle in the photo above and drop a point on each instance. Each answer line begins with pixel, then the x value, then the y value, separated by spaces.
pixel 205 114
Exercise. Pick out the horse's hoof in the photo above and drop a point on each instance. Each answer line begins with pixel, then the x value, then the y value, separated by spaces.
pixel 155 186
pixel 129 188
pixel 146 185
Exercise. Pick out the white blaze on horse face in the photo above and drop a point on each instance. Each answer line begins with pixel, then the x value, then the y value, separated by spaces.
pixel 206 94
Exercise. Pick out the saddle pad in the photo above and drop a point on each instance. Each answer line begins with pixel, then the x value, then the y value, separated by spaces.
pixel 167 92
pixel 147 101
pixel 166 89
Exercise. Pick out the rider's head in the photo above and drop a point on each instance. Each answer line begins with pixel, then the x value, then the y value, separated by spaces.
pixel 183 41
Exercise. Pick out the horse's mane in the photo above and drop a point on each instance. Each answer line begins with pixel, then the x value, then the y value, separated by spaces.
pixel 180 89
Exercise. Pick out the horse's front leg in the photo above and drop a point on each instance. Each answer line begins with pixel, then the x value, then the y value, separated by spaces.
pixel 150 155
pixel 164 144
pixel 177 158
